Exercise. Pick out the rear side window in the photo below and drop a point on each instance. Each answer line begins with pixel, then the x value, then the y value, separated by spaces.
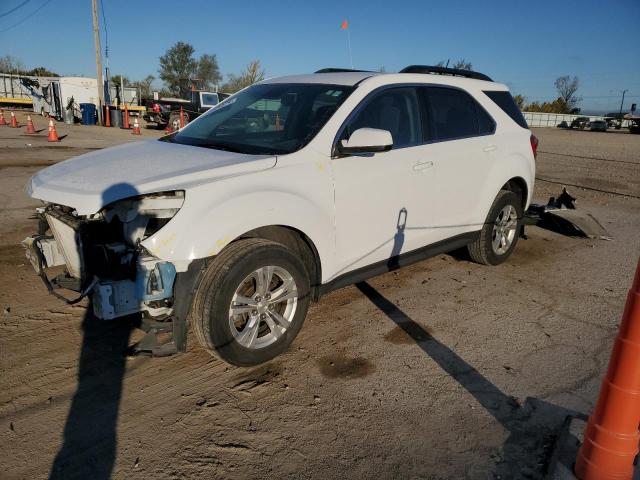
pixel 505 101
pixel 455 114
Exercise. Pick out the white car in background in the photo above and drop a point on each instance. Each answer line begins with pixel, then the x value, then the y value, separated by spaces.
pixel 286 190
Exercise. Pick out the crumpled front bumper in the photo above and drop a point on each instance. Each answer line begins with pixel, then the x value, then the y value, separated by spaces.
pixel 124 282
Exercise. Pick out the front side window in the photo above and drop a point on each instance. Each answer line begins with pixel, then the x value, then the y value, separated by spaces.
pixel 266 119
pixel 455 114
pixel 395 110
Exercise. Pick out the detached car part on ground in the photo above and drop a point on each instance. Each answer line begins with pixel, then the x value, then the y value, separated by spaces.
pixel 285 191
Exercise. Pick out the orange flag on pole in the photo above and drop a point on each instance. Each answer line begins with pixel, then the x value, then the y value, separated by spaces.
pixel 345 25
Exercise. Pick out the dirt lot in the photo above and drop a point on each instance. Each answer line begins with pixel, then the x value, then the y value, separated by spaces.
pixel 443 370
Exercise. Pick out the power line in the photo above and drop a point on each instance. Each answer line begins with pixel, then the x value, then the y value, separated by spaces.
pixel 106 36
pixel 27 17
pixel 14 8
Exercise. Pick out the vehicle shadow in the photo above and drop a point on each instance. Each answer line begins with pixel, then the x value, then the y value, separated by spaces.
pixel 532 425
pixel 90 440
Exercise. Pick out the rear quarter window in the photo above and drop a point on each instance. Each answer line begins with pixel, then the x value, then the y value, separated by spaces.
pixel 508 105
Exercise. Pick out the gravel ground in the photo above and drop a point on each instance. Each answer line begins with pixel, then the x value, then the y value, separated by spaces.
pixel 442 370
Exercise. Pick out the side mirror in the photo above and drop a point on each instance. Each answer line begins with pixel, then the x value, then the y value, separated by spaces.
pixel 366 140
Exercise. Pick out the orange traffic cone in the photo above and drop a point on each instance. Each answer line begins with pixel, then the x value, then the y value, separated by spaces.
pixel 136 127
pixel 30 128
pixel 14 120
pixel 3 121
pixel 53 135
pixel 182 124
pixel 611 435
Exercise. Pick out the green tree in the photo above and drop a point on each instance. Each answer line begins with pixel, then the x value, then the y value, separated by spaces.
pixel 178 68
pixel 115 80
pixel 556 106
pixel 208 72
pixel 520 101
pixel 251 74
pixel 41 72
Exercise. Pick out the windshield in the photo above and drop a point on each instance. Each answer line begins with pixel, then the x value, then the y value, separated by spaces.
pixel 267 119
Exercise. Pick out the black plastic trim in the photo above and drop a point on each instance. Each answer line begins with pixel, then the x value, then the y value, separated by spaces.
pixel 446 71
pixel 399 261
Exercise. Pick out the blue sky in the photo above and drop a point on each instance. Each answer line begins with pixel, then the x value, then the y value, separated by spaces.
pixel 525 44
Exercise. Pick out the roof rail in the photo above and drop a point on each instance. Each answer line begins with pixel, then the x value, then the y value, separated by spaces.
pixel 340 70
pixel 445 71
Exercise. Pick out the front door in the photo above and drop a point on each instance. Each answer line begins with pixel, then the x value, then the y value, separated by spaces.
pixel 383 200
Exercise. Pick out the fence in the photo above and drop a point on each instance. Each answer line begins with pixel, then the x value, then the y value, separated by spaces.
pixel 538 119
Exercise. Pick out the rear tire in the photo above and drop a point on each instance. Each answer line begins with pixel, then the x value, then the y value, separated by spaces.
pixel 500 232
pixel 251 302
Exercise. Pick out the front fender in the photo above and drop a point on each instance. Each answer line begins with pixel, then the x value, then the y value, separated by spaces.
pixel 202 228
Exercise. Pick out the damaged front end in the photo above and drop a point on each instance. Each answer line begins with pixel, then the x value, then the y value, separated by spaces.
pixel 103 257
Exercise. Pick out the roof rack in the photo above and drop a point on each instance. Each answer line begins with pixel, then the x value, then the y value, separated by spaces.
pixel 340 70
pixel 445 71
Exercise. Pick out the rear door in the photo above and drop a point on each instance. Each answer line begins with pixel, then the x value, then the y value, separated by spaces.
pixel 462 147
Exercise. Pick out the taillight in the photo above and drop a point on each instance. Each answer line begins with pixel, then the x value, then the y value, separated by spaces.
pixel 534 145
pixel 156 108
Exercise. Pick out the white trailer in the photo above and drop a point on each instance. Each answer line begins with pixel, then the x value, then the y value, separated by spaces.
pixel 55 93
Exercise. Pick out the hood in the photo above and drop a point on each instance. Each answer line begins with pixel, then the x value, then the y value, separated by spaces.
pixel 91 181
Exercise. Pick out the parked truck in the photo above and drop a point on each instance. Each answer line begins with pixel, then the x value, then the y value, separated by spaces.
pixel 166 111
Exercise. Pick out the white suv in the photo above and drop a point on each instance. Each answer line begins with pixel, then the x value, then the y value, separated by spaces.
pixel 286 190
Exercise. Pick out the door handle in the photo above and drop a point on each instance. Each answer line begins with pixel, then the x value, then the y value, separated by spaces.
pixel 490 148
pixel 422 165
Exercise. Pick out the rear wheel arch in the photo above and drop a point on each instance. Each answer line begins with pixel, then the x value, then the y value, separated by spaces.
pixel 518 186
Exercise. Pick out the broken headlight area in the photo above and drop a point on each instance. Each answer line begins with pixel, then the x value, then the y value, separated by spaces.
pixel 102 255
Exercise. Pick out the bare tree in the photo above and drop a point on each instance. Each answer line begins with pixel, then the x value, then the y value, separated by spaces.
pixel 10 64
pixel 251 74
pixel 567 88
pixel 144 86
pixel 461 64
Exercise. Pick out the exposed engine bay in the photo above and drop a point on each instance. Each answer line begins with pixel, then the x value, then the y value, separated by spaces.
pixel 103 257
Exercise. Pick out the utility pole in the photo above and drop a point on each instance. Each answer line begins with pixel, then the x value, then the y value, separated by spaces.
pixel 622 102
pixel 96 39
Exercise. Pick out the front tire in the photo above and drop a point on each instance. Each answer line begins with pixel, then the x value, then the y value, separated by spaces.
pixel 174 120
pixel 251 302
pixel 500 232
